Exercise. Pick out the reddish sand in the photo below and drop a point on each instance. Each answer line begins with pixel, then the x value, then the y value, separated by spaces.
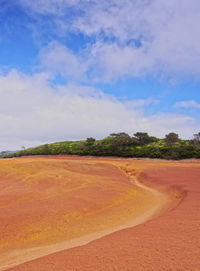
pixel 105 198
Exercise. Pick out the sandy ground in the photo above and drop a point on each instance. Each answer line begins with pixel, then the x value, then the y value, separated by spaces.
pixel 98 198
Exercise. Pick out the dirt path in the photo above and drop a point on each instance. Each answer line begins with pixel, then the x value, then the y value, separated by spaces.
pixel 21 256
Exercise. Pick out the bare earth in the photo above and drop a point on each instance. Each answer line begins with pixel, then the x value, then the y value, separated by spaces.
pixel 75 213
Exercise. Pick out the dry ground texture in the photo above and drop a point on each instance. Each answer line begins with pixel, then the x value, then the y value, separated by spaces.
pixel 81 213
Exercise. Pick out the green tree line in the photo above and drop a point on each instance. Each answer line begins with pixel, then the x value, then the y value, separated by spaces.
pixel 123 145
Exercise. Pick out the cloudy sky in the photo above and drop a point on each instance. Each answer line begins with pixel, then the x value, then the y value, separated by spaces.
pixel 70 69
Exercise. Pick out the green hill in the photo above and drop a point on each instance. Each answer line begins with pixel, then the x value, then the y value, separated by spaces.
pixel 123 145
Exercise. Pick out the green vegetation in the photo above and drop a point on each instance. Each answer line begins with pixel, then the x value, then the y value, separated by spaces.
pixel 123 145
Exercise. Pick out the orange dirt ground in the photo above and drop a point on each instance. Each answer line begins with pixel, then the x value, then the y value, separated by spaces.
pixel 49 204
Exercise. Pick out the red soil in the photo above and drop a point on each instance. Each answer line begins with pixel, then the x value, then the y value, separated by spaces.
pixel 170 241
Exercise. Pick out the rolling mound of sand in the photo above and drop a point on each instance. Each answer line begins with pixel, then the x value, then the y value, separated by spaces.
pixel 50 204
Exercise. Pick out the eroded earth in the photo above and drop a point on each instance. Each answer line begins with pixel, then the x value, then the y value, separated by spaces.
pixel 82 213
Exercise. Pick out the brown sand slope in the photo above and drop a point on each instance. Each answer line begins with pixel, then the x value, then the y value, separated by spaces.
pixel 170 241
pixel 50 204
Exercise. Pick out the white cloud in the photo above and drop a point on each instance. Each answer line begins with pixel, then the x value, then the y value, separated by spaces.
pixel 168 33
pixel 32 112
pixel 141 102
pixel 131 38
pixel 188 104
pixel 110 62
pixel 59 59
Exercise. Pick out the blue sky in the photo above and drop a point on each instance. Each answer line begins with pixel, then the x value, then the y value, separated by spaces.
pixel 72 69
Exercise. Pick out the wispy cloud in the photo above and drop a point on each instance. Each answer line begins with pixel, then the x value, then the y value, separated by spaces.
pixel 54 7
pixel 57 58
pixel 131 38
pixel 188 104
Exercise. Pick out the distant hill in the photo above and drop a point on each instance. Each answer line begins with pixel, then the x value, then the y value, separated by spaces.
pixel 123 145
pixel 4 153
